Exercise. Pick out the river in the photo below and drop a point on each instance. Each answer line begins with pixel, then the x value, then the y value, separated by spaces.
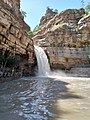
pixel 44 98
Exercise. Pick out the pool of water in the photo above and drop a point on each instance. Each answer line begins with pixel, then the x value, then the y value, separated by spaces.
pixel 40 98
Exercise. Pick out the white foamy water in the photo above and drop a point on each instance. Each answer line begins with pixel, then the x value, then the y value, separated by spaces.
pixel 42 60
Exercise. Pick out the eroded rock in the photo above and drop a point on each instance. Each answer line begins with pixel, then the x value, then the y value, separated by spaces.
pixel 14 34
pixel 66 38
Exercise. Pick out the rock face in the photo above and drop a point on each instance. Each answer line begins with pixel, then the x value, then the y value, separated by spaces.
pixel 48 16
pixel 66 38
pixel 14 34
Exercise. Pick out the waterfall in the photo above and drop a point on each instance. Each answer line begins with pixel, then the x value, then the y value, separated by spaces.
pixel 42 60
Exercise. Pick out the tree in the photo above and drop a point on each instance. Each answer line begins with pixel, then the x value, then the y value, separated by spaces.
pixel 12 61
pixel 8 61
pixel 23 13
pixel 2 60
pixel 30 34
pixel 48 8
pixel 88 58
pixel 56 11
pixel 87 8
pixel 36 29
pixel 82 1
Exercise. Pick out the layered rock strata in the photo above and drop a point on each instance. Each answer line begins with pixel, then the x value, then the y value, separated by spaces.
pixel 14 35
pixel 66 38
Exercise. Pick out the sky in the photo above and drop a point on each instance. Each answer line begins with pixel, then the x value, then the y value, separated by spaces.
pixel 35 9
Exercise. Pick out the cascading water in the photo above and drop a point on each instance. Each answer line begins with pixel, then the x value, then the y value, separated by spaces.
pixel 42 60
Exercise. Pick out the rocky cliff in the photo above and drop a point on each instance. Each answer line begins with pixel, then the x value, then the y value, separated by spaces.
pixel 65 38
pixel 14 40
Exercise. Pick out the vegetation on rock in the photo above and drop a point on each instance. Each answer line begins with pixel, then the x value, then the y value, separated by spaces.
pixel 65 35
pixel 30 33
pixel 15 45
pixel 87 8
pixel 35 31
pixel 24 14
pixel 8 61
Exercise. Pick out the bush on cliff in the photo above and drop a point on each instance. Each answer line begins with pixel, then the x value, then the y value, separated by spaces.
pixel 87 8
pixel 30 34
pixel 9 61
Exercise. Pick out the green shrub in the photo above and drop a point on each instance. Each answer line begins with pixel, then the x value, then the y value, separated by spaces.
pixel 9 61
pixel 23 13
pixel 88 57
pixel 30 34
pixel 12 61
pixel 36 29
pixel 87 8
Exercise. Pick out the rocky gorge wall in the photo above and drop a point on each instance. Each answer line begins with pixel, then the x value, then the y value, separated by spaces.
pixel 65 57
pixel 14 39
pixel 65 38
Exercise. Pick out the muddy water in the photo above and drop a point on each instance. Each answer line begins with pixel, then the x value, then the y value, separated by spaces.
pixel 76 108
pixel 45 99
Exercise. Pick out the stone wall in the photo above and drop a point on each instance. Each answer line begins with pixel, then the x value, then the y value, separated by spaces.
pixel 14 34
